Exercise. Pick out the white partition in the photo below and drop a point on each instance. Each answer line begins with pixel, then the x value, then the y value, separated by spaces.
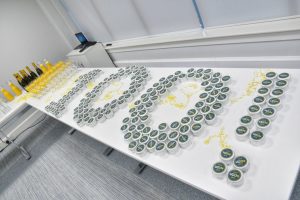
pixel 168 15
pixel 86 18
pixel 109 20
pixel 121 17
pixel 220 12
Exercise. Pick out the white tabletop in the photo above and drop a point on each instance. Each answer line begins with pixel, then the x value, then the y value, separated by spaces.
pixel 273 166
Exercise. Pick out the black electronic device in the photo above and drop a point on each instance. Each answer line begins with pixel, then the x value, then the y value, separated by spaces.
pixel 84 43
pixel 81 38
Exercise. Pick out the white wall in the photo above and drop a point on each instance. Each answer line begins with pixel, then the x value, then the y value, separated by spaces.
pixel 271 44
pixel 111 20
pixel 26 35
pixel 277 54
pixel 219 12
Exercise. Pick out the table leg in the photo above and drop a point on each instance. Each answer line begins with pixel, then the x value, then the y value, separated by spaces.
pixel 22 149
pixel 140 168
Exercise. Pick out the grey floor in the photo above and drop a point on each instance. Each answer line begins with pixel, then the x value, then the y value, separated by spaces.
pixel 72 167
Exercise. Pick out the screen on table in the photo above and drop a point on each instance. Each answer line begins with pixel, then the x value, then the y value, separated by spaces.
pixel 82 39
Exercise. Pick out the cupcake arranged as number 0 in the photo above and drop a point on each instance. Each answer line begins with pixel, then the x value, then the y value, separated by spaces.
pixel 171 136
pixel 85 114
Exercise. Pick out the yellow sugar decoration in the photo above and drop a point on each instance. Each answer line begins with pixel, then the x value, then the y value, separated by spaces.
pixel 171 97
pixel 252 86
pixel 131 105
pixel 108 95
pixel 75 78
pixel 24 97
pixel 48 99
pixel 117 84
pixel 116 91
pixel 193 85
pixel 221 136
pixel 172 100
pixel 187 91
pixel 90 85
pixel 67 90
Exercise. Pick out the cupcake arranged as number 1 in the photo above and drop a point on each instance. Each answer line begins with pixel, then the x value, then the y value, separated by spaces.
pixel 263 110
pixel 178 134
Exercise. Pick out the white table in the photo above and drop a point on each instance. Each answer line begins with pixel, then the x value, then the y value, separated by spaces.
pixel 273 166
pixel 16 107
pixel 93 56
